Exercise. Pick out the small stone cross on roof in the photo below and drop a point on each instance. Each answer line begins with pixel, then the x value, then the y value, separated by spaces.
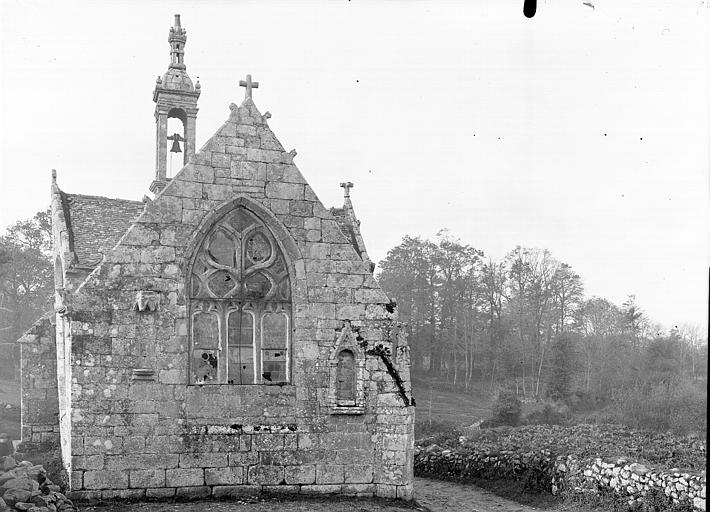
pixel 347 186
pixel 249 85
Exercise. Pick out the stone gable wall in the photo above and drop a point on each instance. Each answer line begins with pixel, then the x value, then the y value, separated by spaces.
pixel 40 404
pixel 135 438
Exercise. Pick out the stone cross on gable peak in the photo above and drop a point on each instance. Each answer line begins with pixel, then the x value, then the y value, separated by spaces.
pixel 347 186
pixel 249 86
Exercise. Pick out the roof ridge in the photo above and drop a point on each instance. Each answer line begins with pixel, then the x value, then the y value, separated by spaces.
pixel 69 196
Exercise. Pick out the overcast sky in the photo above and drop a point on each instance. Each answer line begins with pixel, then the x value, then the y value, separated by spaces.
pixel 585 130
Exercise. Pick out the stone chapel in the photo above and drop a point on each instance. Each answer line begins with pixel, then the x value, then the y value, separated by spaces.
pixel 225 337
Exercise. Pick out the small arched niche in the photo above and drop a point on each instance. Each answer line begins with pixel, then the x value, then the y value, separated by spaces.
pixel 347 373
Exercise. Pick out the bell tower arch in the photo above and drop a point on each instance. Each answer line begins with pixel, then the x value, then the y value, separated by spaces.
pixel 175 97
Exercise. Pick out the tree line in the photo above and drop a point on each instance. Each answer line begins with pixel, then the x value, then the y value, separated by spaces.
pixel 525 322
pixel 26 284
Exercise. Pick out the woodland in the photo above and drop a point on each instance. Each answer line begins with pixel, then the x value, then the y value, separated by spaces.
pixel 523 325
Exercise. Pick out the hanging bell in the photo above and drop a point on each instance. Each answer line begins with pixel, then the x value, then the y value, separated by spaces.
pixel 176 144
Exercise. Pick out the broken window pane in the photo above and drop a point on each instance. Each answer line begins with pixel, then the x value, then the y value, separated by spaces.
pixel 274 366
pixel 205 366
pixel 258 249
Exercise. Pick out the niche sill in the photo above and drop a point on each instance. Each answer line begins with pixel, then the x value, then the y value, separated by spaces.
pixel 347 409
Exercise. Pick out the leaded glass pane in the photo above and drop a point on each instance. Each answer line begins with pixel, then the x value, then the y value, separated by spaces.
pixel 241 348
pixel 257 286
pixel 221 283
pixel 274 331
pixel 222 249
pixel 205 330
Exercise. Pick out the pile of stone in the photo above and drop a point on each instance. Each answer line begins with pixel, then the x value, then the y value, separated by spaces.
pixel 24 486
pixel 631 480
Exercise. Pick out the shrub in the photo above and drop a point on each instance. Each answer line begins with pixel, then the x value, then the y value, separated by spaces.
pixel 506 409
pixel 551 413
pixel 680 409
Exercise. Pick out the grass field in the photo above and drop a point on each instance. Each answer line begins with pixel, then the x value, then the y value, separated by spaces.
pixel 449 406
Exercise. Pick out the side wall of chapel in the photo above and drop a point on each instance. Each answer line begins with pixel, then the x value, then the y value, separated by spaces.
pixel 141 428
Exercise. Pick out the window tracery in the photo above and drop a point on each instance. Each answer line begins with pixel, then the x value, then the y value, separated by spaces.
pixel 240 305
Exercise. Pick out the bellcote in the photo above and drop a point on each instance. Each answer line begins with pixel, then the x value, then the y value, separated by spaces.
pixel 175 96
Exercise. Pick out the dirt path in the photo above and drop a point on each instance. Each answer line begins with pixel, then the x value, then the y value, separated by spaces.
pixel 431 495
pixel 440 496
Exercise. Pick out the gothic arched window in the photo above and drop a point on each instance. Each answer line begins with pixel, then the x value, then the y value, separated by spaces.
pixel 240 305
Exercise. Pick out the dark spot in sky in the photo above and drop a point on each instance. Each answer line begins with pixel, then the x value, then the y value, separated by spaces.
pixel 529 8
pixel 588 4
pixel 640 138
pixel 605 135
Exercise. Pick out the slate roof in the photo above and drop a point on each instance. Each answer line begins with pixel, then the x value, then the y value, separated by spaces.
pixel 96 224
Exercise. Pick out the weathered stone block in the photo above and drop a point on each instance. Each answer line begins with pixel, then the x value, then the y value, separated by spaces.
pixel 141 461
pixel 386 491
pixel 265 475
pixel 193 492
pixel 320 489
pixel 142 478
pixel 224 476
pixel 265 442
pixel 359 489
pixel 279 190
pixel 329 474
pixel 184 477
pixel 77 479
pixel 160 493
pixel 305 474
pixel 234 491
pixel 284 172
pixel 281 489
pixel 88 462
pixel 356 474
pixel 248 170
pixel 123 494
pixel 105 479
pixel 221 160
